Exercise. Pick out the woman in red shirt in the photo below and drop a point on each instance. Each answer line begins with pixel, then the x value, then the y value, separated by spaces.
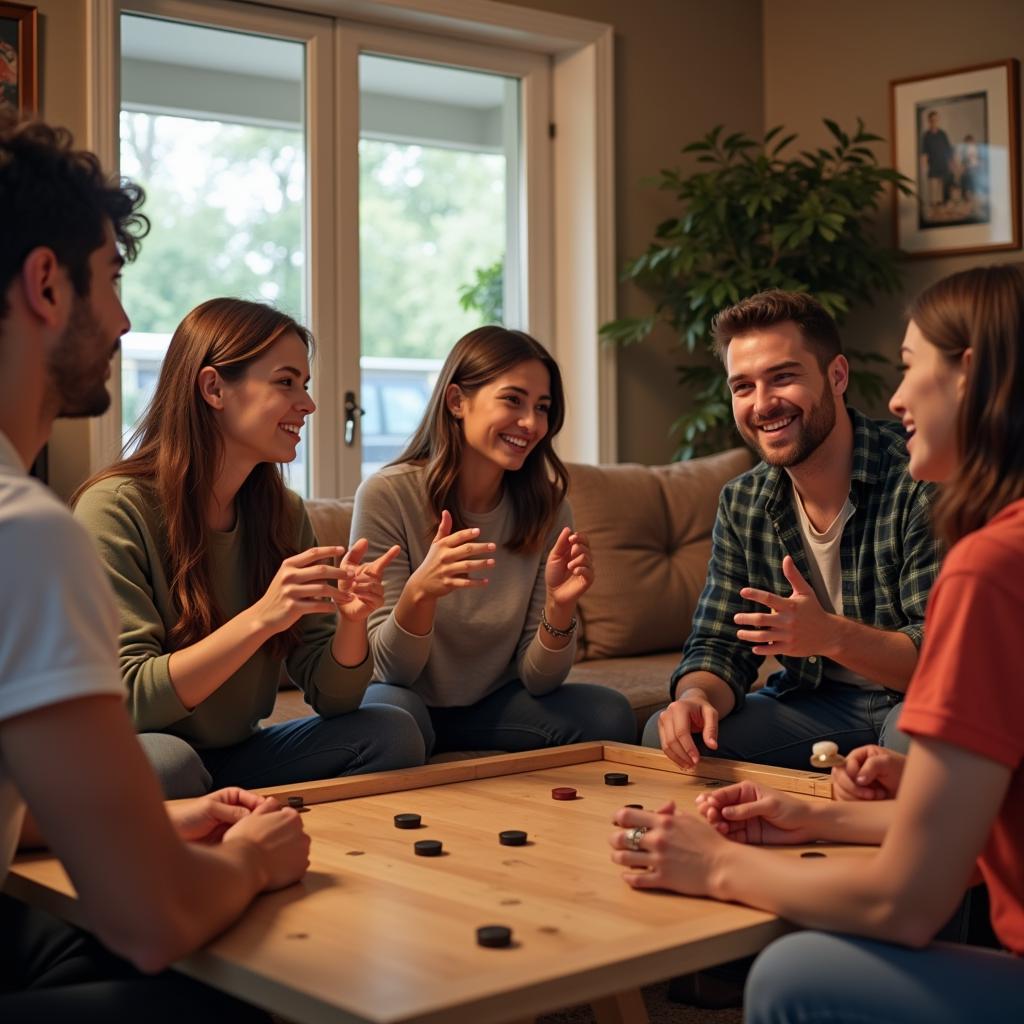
pixel 959 808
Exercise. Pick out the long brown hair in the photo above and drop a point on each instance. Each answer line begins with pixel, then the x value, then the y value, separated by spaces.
pixel 178 454
pixel 981 309
pixel 538 489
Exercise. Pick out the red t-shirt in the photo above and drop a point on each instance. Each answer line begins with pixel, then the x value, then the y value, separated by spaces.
pixel 968 689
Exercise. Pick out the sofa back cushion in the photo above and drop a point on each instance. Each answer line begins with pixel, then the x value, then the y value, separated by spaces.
pixel 650 534
pixel 331 519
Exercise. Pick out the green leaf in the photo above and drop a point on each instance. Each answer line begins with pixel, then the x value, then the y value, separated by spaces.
pixel 843 138
pixel 627 331
pixel 747 220
pixel 783 144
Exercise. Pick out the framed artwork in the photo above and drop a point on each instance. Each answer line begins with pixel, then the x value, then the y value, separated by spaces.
pixel 18 57
pixel 956 137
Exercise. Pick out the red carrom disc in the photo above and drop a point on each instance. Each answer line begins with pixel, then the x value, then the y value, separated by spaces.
pixel 563 793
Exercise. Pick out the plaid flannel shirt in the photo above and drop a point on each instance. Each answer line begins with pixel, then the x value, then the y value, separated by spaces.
pixel 888 555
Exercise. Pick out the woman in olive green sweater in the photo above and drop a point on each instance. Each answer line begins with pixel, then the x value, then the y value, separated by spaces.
pixel 219 577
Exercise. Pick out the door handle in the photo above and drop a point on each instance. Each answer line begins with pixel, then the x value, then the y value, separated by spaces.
pixel 352 411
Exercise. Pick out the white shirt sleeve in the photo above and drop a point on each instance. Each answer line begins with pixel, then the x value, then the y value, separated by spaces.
pixel 58 621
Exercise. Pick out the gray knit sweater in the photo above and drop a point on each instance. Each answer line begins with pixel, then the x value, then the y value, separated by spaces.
pixel 482 637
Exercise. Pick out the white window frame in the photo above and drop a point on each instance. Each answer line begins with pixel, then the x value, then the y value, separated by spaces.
pixel 571 283
pixel 528 254
pixel 583 266
pixel 104 103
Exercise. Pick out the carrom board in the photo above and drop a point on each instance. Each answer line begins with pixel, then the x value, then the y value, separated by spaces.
pixel 377 935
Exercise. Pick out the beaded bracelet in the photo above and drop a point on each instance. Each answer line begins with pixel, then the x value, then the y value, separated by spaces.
pixel 560 634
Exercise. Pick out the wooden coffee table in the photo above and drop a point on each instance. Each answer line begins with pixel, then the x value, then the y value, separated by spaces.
pixel 377 935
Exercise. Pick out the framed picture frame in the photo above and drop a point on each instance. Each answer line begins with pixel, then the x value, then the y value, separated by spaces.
pixel 956 136
pixel 18 68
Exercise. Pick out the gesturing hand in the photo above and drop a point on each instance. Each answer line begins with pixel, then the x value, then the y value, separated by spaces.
pixel 450 559
pixel 870 773
pixel 366 593
pixel 569 571
pixel 748 812
pixel 796 625
pixel 301 586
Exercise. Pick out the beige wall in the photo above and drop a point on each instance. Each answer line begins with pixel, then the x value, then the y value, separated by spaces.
pixel 837 59
pixel 681 67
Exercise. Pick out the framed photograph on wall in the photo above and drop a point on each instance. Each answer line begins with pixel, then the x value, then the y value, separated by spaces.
pixel 18 57
pixel 956 136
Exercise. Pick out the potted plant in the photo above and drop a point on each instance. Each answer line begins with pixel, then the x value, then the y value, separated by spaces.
pixel 753 219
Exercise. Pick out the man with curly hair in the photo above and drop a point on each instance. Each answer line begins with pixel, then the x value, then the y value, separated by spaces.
pixel 154 881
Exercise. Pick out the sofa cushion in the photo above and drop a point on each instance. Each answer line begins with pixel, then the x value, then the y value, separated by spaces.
pixel 331 519
pixel 642 680
pixel 650 533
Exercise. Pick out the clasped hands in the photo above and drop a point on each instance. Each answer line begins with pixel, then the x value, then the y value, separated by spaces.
pixel 682 853
pixel 237 815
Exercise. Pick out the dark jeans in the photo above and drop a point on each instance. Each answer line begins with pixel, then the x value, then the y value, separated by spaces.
pixel 372 739
pixel 512 719
pixel 781 730
pixel 52 973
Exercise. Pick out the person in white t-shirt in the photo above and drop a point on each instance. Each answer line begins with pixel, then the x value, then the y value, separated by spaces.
pixel 154 881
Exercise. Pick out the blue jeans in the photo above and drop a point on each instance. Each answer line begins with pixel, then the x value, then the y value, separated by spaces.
pixel 372 739
pixel 781 730
pixel 813 977
pixel 513 720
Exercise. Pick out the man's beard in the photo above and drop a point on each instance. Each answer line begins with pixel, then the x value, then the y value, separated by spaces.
pixel 78 365
pixel 814 428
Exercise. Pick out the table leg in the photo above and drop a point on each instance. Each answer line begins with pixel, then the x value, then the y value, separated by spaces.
pixel 623 1008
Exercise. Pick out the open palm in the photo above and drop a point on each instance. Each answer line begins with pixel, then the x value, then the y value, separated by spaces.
pixel 569 571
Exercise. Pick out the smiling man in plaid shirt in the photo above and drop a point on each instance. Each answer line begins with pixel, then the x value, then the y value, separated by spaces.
pixel 823 557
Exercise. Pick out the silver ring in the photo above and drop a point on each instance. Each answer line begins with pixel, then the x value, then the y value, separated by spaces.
pixel 634 835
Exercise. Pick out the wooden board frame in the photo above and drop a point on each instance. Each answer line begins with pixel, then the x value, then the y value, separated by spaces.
pixel 587 937
pixel 808 783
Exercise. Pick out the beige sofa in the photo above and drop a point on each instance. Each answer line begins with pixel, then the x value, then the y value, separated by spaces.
pixel 650 533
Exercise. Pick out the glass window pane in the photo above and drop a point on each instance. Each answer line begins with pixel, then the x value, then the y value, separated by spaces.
pixel 403 405
pixel 212 128
pixel 439 171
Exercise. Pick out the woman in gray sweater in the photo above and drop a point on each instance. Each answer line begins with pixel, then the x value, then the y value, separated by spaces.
pixel 477 630
pixel 218 575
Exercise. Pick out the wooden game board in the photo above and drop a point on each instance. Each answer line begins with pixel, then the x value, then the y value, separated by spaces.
pixel 377 935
